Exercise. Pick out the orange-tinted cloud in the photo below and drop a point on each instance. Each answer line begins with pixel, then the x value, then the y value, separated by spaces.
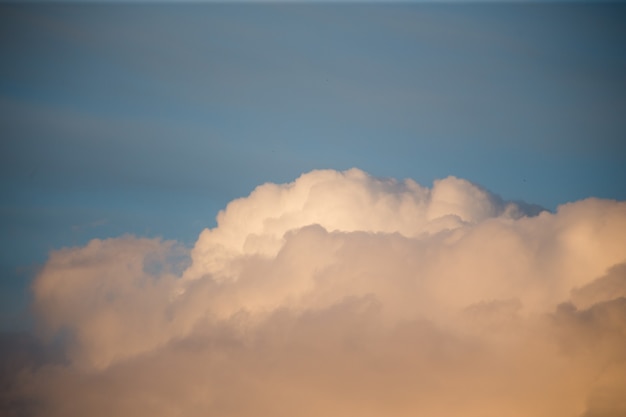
pixel 342 294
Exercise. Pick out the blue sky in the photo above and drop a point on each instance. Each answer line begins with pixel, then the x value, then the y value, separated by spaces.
pixel 148 119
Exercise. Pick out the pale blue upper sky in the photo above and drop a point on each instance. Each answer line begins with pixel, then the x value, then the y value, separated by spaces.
pixel 148 119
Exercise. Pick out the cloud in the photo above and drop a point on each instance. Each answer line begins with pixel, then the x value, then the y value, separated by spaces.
pixel 343 294
pixel 612 285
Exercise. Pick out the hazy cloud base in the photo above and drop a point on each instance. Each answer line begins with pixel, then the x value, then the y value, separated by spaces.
pixel 342 294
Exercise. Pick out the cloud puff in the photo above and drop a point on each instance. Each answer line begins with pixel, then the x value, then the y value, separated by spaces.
pixel 344 294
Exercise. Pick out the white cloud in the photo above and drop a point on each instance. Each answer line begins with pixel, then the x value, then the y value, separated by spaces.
pixel 343 294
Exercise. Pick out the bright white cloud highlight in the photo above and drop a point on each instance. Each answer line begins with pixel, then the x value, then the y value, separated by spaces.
pixel 343 294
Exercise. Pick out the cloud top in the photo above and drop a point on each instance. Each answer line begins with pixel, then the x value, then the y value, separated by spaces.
pixel 345 294
pixel 346 201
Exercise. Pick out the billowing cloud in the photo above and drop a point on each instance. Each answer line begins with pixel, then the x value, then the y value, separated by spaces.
pixel 343 294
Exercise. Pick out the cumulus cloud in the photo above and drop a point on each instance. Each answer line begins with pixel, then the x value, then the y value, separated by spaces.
pixel 343 294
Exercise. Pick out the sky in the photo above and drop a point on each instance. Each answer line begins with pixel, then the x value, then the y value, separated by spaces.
pixel 418 197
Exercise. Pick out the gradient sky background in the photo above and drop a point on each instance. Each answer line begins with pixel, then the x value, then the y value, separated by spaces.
pixel 149 119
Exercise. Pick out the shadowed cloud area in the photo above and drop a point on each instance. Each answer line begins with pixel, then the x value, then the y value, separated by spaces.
pixel 339 294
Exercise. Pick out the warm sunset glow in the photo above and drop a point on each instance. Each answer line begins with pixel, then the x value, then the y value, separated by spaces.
pixel 342 294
